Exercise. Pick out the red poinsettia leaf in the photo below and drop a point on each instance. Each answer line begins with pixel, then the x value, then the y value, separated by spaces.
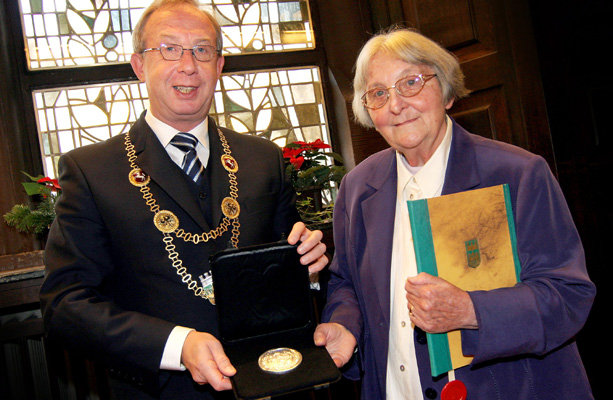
pixel 319 144
pixel 291 152
pixel 297 161
pixel 52 183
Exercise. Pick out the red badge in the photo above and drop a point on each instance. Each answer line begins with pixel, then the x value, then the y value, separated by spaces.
pixel 454 390
pixel 229 163
pixel 138 178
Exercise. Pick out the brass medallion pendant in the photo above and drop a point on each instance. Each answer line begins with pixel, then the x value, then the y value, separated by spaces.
pixel 168 223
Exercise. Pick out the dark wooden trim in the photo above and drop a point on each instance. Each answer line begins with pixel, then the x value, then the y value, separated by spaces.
pixel 20 278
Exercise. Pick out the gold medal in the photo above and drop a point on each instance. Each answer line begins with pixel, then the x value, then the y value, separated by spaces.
pixel 230 208
pixel 166 221
pixel 280 360
pixel 138 178
pixel 229 163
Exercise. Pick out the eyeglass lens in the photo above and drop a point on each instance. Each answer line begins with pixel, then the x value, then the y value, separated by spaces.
pixel 406 86
pixel 173 52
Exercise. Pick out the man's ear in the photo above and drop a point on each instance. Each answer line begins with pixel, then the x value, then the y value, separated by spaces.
pixel 220 63
pixel 137 61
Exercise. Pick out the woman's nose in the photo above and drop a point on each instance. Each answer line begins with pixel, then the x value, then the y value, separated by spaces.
pixel 396 102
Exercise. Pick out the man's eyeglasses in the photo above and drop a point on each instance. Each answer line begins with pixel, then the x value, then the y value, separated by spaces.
pixel 173 52
pixel 407 86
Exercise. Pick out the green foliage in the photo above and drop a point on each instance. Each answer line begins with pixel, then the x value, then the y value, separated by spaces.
pixel 315 174
pixel 38 219
pixel 311 217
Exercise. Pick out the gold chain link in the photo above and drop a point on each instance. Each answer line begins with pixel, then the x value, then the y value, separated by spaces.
pixel 189 237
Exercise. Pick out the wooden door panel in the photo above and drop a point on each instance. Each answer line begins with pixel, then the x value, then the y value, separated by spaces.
pixel 494 42
pixel 449 22
pixel 478 33
pixel 462 26
pixel 485 114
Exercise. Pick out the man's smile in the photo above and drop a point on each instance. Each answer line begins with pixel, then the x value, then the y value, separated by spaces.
pixel 184 89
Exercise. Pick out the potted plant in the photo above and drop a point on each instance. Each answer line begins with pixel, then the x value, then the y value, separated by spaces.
pixel 38 219
pixel 315 174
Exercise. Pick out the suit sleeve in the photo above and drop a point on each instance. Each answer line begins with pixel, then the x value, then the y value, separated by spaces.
pixel 342 306
pixel 553 300
pixel 77 309
pixel 287 214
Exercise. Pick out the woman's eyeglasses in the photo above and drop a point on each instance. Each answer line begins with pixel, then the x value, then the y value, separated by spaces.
pixel 407 86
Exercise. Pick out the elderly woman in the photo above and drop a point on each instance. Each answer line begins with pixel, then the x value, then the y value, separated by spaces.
pixel 521 337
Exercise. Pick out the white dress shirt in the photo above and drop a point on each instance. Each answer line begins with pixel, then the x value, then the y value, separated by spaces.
pixel 413 183
pixel 165 133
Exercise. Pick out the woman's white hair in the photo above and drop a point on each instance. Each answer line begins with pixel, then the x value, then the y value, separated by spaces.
pixel 410 46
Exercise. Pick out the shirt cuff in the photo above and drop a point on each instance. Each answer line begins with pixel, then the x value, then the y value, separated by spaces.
pixel 171 358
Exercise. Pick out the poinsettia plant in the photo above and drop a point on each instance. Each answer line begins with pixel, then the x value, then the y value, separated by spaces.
pixel 315 174
pixel 38 219
pixel 309 165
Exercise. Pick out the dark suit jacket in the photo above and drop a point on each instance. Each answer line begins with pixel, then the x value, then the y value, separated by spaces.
pixel 110 290
pixel 524 348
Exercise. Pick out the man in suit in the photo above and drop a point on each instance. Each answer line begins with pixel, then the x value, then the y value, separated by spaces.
pixel 521 337
pixel 127 277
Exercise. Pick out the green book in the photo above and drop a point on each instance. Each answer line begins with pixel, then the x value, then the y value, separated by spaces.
pixel 468 239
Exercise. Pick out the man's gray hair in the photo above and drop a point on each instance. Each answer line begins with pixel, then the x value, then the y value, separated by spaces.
pixel 138 34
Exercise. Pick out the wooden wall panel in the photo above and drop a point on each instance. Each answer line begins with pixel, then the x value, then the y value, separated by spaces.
pixel 485 114
pixel 449 22
pixel 478 33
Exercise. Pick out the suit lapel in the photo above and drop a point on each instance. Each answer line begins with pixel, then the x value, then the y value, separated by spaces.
pixel 218 176
pixel 155 162
pixel 462 170
pixel 379 211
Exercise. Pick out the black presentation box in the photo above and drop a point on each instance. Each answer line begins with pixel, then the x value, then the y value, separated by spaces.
pixel 263 300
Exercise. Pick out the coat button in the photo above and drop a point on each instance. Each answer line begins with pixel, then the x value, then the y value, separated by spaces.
pixel 431 393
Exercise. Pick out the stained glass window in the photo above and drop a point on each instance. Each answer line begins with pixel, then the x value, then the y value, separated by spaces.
pixel 282 105
pixel 69 33
pixel 68 118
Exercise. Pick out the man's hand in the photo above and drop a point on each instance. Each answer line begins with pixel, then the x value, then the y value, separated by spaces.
pixel 205 359
pixel 437 306
pixel 311 249
pixel 339 342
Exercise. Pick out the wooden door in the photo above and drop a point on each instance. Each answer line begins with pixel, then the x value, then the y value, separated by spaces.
pixel 494 42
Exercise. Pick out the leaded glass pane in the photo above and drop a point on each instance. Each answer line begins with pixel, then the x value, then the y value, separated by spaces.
pixel 69 33
pixel 279 105
pixel 73 117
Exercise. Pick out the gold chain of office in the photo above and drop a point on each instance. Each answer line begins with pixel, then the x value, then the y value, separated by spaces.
pixel 168 223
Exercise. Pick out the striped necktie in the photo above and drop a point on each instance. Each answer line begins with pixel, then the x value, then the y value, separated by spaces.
pixel 192 165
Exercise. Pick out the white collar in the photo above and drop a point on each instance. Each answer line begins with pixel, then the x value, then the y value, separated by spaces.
pixel 165 132
pixel 431 176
